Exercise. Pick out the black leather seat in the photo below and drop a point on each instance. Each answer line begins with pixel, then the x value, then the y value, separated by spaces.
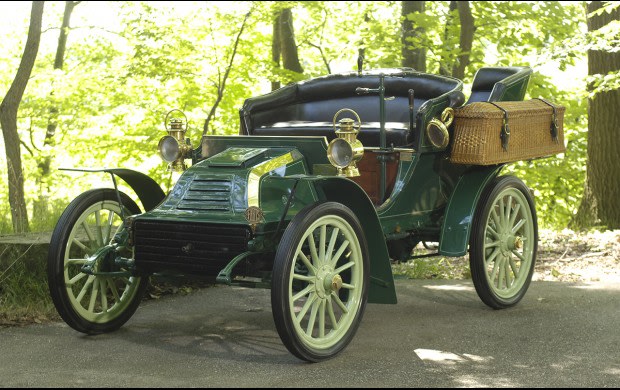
pixel 307 108
pixel 492 84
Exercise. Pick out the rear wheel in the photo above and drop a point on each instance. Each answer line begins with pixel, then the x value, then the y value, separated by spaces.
pixel 320 279
pixel 91 303
pixel 504 242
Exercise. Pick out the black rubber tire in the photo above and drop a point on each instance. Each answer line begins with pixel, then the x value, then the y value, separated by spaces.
pixel 479 270
pixel 284 259
pixel 56 257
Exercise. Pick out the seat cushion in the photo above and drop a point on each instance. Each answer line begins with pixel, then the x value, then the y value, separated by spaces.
pixel 397 134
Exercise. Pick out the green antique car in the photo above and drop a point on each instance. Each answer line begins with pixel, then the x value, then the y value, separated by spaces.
pixel 327 183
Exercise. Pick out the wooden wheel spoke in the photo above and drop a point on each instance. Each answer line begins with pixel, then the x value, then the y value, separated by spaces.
pixel 307 263
pixel 332 315
pixel 339 302
pixel 303 292
pixel 322 238
pixel 332 244
pixel 306 306
pixel 336 257
pixel 312 319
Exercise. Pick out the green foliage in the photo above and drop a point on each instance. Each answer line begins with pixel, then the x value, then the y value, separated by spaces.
pixel 120 80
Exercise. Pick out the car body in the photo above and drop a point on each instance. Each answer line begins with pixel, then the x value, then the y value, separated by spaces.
pixel 312 207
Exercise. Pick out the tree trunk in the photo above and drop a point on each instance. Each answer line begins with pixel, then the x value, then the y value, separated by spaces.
pixel 444 66
pixel 466 39
pixel 600 205
pixel 8 120
pixel 275 48
pixel 288 47
pixel 414 57
pixel 45 161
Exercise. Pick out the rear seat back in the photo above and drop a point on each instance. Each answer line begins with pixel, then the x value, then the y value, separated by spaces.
pixel 493 84
pixel 307 108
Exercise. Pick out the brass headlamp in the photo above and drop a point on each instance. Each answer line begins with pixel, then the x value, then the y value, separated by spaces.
pixel 346 150
pixel 174 148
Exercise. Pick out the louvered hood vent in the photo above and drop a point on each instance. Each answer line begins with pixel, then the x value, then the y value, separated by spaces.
pixel 207 194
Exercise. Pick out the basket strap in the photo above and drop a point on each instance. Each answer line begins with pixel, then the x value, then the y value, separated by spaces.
pixel 504 134
pixel 554 121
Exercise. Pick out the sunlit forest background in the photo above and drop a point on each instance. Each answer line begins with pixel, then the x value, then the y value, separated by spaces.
pixel 99 98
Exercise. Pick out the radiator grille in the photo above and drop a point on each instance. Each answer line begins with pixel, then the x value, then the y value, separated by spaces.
pixel 200 247
pixel 207 194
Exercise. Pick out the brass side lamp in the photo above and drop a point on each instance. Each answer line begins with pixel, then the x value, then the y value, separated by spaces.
pixel 174 148
pixel 346 150
pixel 437 129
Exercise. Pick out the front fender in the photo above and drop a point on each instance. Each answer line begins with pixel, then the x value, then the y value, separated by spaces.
pixel 348 193
pixel 147 189
pixel 459 214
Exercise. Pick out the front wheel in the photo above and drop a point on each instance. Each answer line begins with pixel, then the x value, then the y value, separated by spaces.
pixel 320 279
pixel 91 303
pixel 503 244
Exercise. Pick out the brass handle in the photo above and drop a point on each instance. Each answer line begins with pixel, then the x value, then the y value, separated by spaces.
pixel 359 121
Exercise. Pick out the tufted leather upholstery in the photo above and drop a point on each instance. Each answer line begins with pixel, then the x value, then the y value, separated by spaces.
pixel 308 108
pixel 493 84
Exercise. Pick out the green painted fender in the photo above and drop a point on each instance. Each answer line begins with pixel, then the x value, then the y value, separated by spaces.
pixel 147 189
pixel 459 214
pixel 348 193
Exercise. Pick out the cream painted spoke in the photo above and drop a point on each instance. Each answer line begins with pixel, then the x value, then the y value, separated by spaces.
pixel 519 255
pixel 70 262
pixel 109 224
pixel 74 279
pixel 312 319
pixel 492 256
pixel 494 270
pixel 78 243
pixel 303 292
pixel 332 315
pixel 93 296
pixel 98 228
pixel 502 214
pixel 88 232
pixel 515 212
pixel 309 279
pixel 307 262
pixel 114 290
pixel 305 308
pixel 502 271
pixel 491 244
pixel 85 287
pixel 495 218
pixel 322 238
pixel 492 231
pixel 507 273
pixel 336 257
pixel 348 286
pixel 339 302
pixel 313 252
pixel 322 318
pixel 508 209
pixel 104 298
pixel 332 243
pixel 518 226
pixel 513 266
pixel 344 267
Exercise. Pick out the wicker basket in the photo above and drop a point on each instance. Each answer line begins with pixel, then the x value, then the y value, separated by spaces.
pixel 480 137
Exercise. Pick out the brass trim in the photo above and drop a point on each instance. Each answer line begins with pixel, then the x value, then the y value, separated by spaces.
pixel 257 172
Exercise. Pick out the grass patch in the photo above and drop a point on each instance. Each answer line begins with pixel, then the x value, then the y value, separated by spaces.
pixel 437 267
pixel 24 295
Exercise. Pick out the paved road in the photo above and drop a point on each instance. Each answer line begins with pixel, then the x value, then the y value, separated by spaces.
pixel 438 335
